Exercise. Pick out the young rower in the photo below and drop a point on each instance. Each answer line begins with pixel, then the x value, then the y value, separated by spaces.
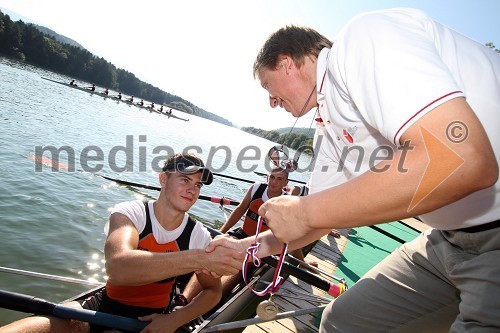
pixel 156 234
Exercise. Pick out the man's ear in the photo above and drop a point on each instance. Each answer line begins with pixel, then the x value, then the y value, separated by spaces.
pixel 162 178
pixel 287 62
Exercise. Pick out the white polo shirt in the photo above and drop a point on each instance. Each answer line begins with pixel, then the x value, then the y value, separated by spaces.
pixel 385 71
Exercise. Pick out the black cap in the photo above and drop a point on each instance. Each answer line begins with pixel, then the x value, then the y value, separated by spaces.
pixel 189 164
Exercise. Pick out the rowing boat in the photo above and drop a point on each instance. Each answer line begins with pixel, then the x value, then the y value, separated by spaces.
pixel 115 98
pixel 239 305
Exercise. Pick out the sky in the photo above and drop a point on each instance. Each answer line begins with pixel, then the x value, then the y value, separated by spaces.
pixel 203 51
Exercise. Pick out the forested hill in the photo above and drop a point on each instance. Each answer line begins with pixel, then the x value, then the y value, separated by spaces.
pixel 300 137
pixel 26 42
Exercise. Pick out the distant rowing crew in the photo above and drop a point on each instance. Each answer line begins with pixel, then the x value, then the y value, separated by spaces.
pixel 128 100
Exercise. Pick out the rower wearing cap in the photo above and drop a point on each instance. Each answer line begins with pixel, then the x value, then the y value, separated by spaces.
pixel 150 245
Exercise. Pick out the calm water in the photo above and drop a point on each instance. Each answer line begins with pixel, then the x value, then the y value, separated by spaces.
pixel 52 222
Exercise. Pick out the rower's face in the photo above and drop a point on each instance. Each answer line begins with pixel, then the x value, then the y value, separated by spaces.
pixel 277 180
pixel 181 190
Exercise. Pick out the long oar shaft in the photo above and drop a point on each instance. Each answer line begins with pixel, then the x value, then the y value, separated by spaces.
pixel 48 276
pixel 301 274
pixel 30 304
pixel 297 261
pixel 292 180
pixel 255 321
pixel 234 178
pixel 224 201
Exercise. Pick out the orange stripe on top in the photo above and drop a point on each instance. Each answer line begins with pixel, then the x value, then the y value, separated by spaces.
pixel 250 224
pixel 152 295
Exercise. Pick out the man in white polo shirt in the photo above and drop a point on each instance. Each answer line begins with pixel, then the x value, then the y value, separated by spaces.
pixel 408 114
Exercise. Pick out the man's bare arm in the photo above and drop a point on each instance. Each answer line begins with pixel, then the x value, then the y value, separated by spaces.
pixel 126 265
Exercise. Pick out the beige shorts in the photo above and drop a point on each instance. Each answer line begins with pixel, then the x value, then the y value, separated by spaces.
pixel 443 281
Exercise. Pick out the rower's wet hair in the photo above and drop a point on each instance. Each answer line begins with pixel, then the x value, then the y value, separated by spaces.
pixel 279 169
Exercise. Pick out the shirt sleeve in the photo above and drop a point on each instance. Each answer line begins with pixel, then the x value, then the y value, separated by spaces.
pixel 390 66
pixel 200 237
pixel 134 210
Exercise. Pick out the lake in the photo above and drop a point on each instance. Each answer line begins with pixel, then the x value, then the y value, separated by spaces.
pixel 52 221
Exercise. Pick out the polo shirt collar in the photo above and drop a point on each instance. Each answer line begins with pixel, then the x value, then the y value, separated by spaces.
pixel 320 73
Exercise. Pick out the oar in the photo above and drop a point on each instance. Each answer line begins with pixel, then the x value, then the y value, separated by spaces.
pixel 235 178
pixel 223 200
pixel 59 165
pixel 30 304
pixel 292 180
pixel 48 276
pixel 297 261
pixel 302 274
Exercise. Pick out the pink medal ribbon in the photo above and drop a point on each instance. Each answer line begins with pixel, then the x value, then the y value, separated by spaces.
pixel 252 255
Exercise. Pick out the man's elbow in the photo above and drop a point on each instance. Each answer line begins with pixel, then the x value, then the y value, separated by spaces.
pixel 483 170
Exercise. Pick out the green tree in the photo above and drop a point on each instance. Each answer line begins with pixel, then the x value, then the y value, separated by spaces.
pixel 492 46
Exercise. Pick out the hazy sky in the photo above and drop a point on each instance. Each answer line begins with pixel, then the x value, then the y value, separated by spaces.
pixel 203 50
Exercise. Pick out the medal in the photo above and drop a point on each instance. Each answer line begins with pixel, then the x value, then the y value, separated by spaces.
pixel 267 310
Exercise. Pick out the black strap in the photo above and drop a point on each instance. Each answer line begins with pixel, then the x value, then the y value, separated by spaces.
pixel 185 237
pixel 148 228
pixel 260 192
pixel 182 240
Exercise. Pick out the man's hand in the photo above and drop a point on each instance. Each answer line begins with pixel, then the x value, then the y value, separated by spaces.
pixel 160 323
pixel 224 256
pixel 226 241
pixel 286 217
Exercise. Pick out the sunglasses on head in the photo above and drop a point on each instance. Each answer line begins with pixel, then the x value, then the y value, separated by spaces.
pixel 280 158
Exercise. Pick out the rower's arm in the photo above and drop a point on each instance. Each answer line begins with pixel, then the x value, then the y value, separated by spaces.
pixel 209 296
pixel 238 212
pixel 126 265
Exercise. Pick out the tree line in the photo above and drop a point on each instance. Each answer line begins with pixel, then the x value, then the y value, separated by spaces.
pixel 290 140
pixel 27 43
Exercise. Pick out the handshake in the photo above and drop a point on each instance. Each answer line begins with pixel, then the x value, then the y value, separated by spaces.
pixel 224 255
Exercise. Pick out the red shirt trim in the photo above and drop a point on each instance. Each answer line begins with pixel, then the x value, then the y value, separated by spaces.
pixel 425 107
